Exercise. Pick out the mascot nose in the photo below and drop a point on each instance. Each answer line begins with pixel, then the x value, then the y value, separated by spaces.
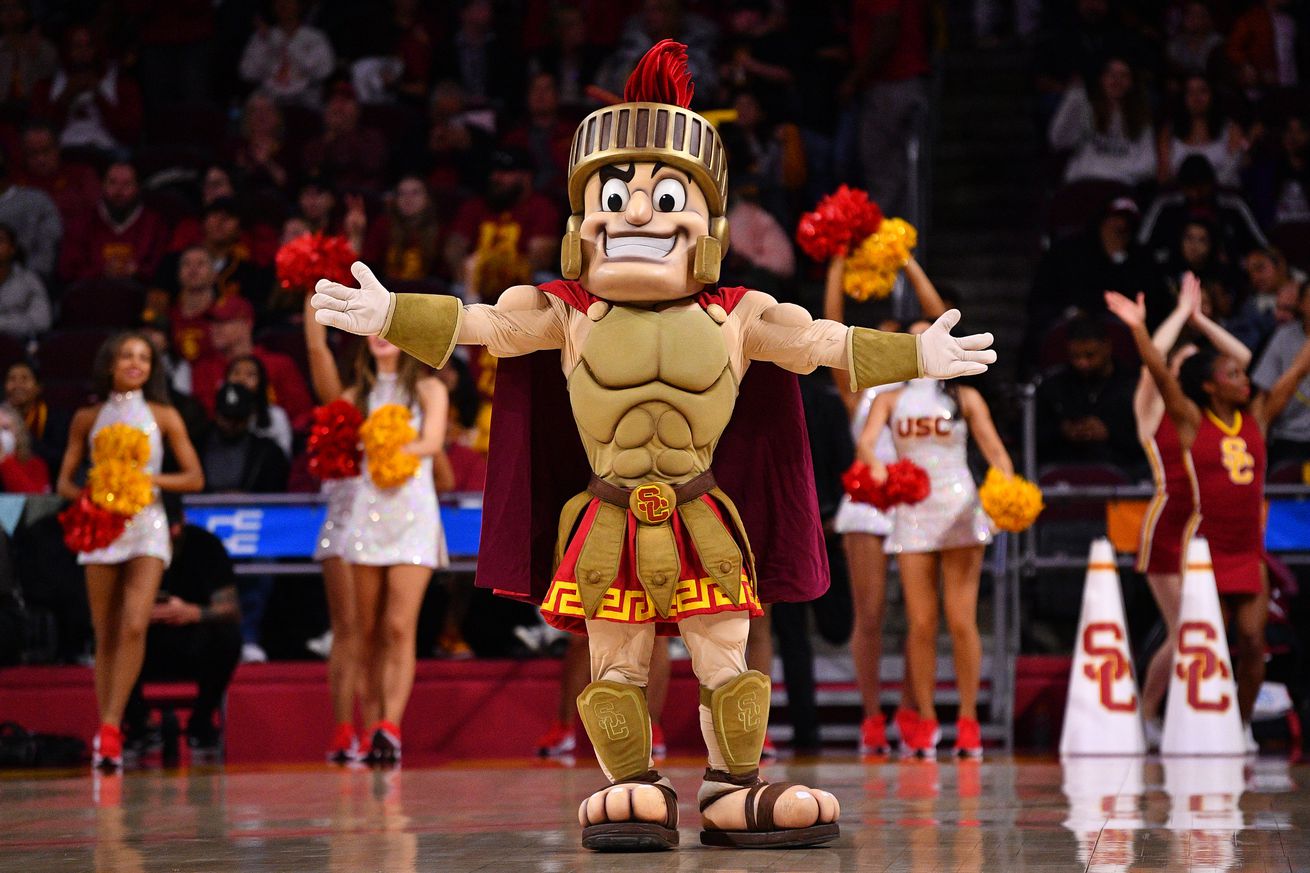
pixel 639 209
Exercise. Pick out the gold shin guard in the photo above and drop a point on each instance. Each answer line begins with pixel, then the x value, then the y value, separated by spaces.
pixel 618 725
pixel 740 713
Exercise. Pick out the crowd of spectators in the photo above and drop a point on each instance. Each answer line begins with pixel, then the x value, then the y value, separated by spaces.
pixel 1178 142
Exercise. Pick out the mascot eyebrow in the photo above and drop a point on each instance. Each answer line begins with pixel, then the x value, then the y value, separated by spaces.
pixel 659 165
pixel 610 171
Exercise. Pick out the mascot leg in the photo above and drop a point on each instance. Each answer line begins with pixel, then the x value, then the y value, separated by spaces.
pixel 638 810
pixel 738 808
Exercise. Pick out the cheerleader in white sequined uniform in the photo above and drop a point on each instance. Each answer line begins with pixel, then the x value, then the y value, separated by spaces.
pixel 392 537
pixel 944 535
pixel 123 578
pixel 863 529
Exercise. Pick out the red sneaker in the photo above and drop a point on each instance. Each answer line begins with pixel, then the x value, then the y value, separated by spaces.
pixel 873 736
pixel 107 748
pixel 559 740
pixel 345 745
pixel 905 720
pixel 769 752
pixel 658 748
pixel 923 740
pixel 968 739
pixel 385 747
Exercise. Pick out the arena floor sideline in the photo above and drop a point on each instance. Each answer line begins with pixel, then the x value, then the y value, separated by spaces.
pixel 1003 814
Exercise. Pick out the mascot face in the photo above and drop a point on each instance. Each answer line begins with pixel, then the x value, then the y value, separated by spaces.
pixel 641 223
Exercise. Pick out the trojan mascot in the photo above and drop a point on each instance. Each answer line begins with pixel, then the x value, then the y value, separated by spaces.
pixel 686 447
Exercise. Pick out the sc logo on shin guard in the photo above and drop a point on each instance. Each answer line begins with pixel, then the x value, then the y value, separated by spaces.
pixel 749 711
pixel 614 723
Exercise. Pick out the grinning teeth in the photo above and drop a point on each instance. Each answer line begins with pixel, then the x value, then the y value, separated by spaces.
pixel 647 247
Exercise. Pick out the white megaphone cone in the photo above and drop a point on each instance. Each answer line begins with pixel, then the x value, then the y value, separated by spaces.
pixel 1102 715
pixel 1202 716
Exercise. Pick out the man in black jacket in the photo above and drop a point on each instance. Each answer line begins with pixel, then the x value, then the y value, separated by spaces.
pixel 236 460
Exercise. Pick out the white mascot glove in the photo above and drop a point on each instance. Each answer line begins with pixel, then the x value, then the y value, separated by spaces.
pixel 945 357
pixel 361 310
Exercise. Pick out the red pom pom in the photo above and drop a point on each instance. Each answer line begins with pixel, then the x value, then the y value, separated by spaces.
pixel 661 76
pixel 841 221
pixel 306 259
pixel 907 482
pixel 861 488
pixel 334 441
pixel 87 527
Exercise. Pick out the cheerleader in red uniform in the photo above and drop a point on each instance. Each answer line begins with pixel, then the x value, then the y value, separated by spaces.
pixel 1222 429
pixel 1172 516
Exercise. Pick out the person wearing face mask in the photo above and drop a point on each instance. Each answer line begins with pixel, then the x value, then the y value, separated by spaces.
pixel 648 352
pixel 21 472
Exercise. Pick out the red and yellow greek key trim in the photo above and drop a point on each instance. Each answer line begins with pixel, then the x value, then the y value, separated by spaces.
pixel 633 606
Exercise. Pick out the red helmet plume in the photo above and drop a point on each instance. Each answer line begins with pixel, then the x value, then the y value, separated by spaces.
pixel 661 76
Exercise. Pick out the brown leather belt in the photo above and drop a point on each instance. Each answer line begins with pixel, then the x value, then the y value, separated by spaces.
pixel 686 492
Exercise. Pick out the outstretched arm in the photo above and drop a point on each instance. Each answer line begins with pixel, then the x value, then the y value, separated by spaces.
pixel 1222 340
pixel 323 373
pixel 1269 406
pixel 975 412
pixel 1180 409
pixel 834 300
pixel 428 326
pixel 1147 405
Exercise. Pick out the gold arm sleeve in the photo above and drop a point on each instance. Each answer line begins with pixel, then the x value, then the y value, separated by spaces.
pixel 875 357
pixel 425 325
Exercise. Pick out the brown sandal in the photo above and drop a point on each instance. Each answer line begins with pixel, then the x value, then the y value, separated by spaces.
pixel 637 836
pixel 760 832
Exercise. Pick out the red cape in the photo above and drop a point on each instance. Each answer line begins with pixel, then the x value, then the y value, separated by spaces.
pixel 536 463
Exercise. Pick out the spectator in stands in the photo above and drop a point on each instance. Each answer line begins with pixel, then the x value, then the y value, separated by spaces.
pixel 1085 408
pixel 194 634
pixel 545 135
pixel 268 420
pixel 120 238
pixel 760 55
pixel 355 156
pixel 92 102
pixel 657 20
pixel 458 144
pixel 232 321
pixel 1199 197
pixel 21 471
pixel 225 242
pixel 24 306
pixel 487 67
pixel 258 151
pixel 406 238
pixel 1289 435
pixel 190 313
pixel 1198 127
pixel 1074 274
pixel 26 57
pixel 1077 48
pixel 34 221
pixel 1190 52
pixel 889 47
pixel 772 154
pixel 1197 253
pixel 234 458
pixel 1271 301
pixel 570 58
pixel 74 188
pixel 288 59
pixel 155 328
pixel 173 45
pixel 408 56
pixel 1263 46
pixel 47 426
pixel 1278 181
pixel 761 255
pixel 511 231
pixel 318 202
pixel 1105 125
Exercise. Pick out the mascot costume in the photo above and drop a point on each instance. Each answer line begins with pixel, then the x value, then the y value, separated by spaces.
pixel 686 446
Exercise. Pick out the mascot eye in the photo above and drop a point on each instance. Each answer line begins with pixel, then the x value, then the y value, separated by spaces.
pixel 614 196
pixel 670 196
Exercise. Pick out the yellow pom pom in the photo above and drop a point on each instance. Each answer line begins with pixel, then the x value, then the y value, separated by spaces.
pixel 871 269
pixel 1012 502
pixel 384 435
pixel 120 442
pixel 120 486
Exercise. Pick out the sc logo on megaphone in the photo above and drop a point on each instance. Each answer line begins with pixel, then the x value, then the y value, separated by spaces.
pixel 239 531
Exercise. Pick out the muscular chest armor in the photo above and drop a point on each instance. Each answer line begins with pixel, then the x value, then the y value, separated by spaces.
pixel 652 394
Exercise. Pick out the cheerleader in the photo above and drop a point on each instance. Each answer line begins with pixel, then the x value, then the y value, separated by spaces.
pixel 1172 516
pixel 863 529
pixel 944 535
pixel 1222 432
pixel 123 577
pixel 392 537
pixel 344 682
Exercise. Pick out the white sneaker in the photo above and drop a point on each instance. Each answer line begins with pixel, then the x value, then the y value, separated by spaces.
pixel 1153 728
pixel 1252 747
pixel 252 653
pixel 321 645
